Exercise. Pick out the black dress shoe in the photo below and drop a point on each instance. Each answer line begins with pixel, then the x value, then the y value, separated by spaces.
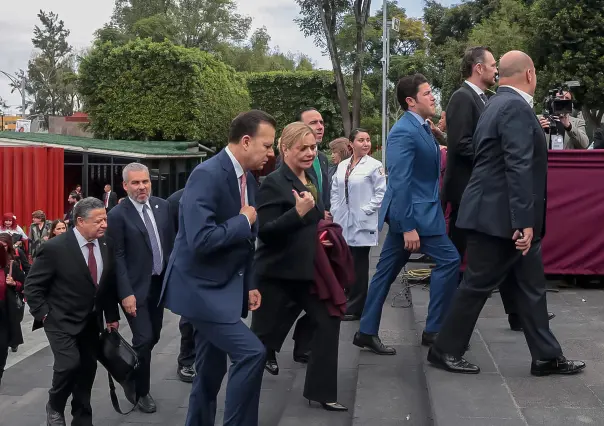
pixel 331 406
pixel 451 363
pixel 551 316
pixel 373 343
pixel 351 317
pixel 186 373
pixel 271 365
pixel 147 405
pixel 54 418
pixel 302 358
pixel 14 348
pixel 559 365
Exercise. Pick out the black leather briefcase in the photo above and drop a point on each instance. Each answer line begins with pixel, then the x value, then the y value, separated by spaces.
pixel 121 363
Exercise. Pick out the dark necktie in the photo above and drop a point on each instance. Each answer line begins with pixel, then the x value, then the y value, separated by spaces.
pixel 154 243
pixel 484 98
pixel 92 264
pixel 427 128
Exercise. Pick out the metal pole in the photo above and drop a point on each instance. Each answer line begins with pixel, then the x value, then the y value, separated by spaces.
pixel 384 80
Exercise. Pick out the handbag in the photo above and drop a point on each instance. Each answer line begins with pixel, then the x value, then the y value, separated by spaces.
pixel 19 303
pixel 121 363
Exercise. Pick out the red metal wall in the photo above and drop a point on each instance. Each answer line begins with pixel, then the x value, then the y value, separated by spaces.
pixel 32 179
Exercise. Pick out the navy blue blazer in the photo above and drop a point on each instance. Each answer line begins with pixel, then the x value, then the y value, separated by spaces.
pixel 413 165
pixel 134 257
pixel 209 274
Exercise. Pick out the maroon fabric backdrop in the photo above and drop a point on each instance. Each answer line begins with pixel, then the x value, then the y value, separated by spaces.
pixel 574 240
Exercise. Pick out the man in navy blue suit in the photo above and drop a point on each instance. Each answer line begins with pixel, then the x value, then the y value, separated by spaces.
pixel 412 209
pixel 142 230
pixel 209 278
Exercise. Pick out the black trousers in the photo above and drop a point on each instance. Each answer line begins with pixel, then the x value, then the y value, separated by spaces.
pixel 490 261
pixel 322 372
pixel 358 293
pixel 74 370
pixel 146 330
pixel 459 239
pixel 186 356
pixel 4 336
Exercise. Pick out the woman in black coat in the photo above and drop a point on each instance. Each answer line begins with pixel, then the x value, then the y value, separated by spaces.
pixel 12 279
pixel 289 210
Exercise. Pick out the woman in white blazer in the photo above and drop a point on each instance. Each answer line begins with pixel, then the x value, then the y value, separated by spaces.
pixel 357 191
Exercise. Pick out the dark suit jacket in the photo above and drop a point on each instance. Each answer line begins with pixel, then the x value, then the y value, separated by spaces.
pixel 463 112
pixel 508 187
pixel 134 256
pixel 287 243
pixel 325 184
pixel 599 138
pixel 112 200
pixel 59 285
pixel 174 204
pixel 209 276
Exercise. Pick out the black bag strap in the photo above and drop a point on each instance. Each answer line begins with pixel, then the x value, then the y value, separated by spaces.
pixel 114 400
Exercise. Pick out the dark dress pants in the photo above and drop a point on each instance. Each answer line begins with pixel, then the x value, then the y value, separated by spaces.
pixel 459 239
pixel 146 329
pixel 74 369
pixel 186 356
pixel 322 372
pixel 213 342
pixel 491 260
pixel 358 293
pixel 4 336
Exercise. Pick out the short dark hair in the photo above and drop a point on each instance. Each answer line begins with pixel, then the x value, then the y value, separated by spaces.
pixel 75 195
pixel 408 87
pixel 302 111
pixel 471 57
pixel 355 132
pixel 247 123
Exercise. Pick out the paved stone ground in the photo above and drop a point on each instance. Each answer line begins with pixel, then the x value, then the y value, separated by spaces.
pixel 505 393
pixel 378 390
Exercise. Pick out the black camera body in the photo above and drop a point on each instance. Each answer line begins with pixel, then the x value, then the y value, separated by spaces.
pixel 554 106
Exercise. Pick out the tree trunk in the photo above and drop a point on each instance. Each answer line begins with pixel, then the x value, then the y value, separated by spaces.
pixel 328 21
pixel 361 12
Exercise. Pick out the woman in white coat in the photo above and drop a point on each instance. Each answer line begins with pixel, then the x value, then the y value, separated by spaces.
pixel 357 191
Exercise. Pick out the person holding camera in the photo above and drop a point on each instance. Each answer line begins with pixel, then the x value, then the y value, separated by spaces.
pixel 572 129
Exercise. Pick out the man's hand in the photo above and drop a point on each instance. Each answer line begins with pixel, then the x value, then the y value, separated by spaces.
pixel 523 240
pixel 565 120
pixel 544 123
pixel 113 326
pixel 411 241
pixel 254 300
pixel 304 202
pixel 129 304
pixel 328 216
pixel 249 212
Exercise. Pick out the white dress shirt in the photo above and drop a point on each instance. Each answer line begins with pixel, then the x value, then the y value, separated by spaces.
pixel 82 242
pixel 528 98
pixel 139 208
pixel 366 188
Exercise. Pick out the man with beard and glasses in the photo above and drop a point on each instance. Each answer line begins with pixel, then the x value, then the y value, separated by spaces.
pixel 143 232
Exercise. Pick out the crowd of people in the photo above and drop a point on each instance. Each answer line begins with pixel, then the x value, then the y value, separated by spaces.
pixel 299 242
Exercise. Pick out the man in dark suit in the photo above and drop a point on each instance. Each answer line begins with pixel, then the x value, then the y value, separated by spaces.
pixel 414 214
pixel 70 286
pixel 109 198
pixel 503 210
pixel 186 356
pixel 142 229
pixel 209 277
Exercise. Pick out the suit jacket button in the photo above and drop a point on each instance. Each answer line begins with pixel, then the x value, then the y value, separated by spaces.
pixel 240 273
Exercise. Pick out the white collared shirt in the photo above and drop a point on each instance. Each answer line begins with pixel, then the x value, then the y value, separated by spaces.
pixel 238 171
pixel 474 87
pixel 528 98
pixel 139 208
pixel 82 242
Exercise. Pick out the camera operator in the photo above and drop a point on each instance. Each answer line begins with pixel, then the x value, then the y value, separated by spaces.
pixel 571 128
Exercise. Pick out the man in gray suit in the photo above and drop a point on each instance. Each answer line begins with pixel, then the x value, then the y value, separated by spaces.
pixel 571 128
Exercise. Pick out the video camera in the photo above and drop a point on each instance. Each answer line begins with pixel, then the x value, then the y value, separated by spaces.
pixel 554 106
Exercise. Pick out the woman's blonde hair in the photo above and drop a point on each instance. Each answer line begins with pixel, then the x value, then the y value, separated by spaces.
pixel 293 133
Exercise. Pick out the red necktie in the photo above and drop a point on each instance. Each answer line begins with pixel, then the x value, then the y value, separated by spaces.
pixel 92 263
pixel 242 188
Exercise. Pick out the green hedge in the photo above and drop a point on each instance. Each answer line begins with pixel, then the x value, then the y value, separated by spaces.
pixel 158 91
pixel 284 94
